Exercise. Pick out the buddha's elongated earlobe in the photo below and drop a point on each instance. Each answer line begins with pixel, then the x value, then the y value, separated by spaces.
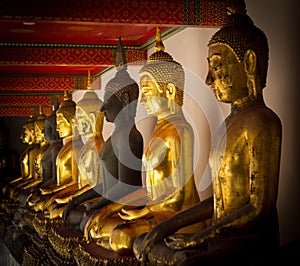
pixel 250 68
pixel 92 117
pixel 170 93
pixel 125 99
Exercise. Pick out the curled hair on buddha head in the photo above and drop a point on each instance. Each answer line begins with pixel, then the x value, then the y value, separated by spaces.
pixel 122 85
pixel 90 102
pixel 239 33
pixel 67 108
pixel 50 124
pixel 52 117
pixel 30 122
pixel 164 69
pixel 29 125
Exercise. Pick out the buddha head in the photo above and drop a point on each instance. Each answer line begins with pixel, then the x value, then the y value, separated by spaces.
pixel 28 135
pixel 121 92
pixel 50 131
pixel 65 117
pixel 87 114
pixel 238 56
pixel 39 125
pixel 161 81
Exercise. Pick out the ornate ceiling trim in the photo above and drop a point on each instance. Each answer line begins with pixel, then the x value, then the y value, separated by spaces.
pixel 22 111
pixel 161 12
pixel 22 55
pixel 21 92
pixel 26 105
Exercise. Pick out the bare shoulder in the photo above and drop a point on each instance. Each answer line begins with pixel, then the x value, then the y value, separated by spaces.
pixel 263 119
pixel 182 126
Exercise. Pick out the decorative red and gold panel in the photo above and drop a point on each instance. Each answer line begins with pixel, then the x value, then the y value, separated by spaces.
pixel 156 12
pixel 49 46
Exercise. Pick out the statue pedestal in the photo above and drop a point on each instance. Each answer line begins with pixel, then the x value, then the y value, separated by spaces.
pixel 65 240
pixel 57 244
pixel 92 254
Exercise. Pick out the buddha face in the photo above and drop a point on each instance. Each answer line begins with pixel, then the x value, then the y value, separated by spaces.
pixel 39 134
pixel 226 76
pixel 63 126
pixel 151 96
pixel 50 132
pixel 111 106
pixel 27 135
pixel 82 122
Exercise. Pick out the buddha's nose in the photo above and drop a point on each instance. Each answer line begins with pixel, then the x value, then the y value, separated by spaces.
pixel 209 79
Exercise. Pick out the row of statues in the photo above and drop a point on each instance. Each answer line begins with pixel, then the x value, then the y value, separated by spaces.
pixel 96 186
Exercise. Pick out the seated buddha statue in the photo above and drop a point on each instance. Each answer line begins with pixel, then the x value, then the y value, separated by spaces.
pixel 167 158
pixel 66 163
pixel 89 124
pixel 26 160
pixel 118 179
pixel 48 161
pixel 37 179
pixel 245 173
pixel 49 166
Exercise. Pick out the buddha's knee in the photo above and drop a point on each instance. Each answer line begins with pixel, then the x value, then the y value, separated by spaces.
pixel 123 236
pixel 38 206
pixel 5 190
pixel 137 245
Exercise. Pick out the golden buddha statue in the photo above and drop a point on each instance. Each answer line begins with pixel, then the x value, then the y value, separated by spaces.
pixel 245 175
pixel 67 170
pixel 89 124
pixel 167 157
pixel 26 160
pixel 39 126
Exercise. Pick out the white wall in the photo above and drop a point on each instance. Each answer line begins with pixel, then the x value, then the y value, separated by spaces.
pixel 278 20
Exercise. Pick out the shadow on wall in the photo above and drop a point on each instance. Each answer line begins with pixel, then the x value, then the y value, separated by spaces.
pixel 15 124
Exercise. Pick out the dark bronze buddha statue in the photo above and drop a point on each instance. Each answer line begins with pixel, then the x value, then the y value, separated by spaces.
pixel 51 135
pixel 118 178
pixel 48 161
